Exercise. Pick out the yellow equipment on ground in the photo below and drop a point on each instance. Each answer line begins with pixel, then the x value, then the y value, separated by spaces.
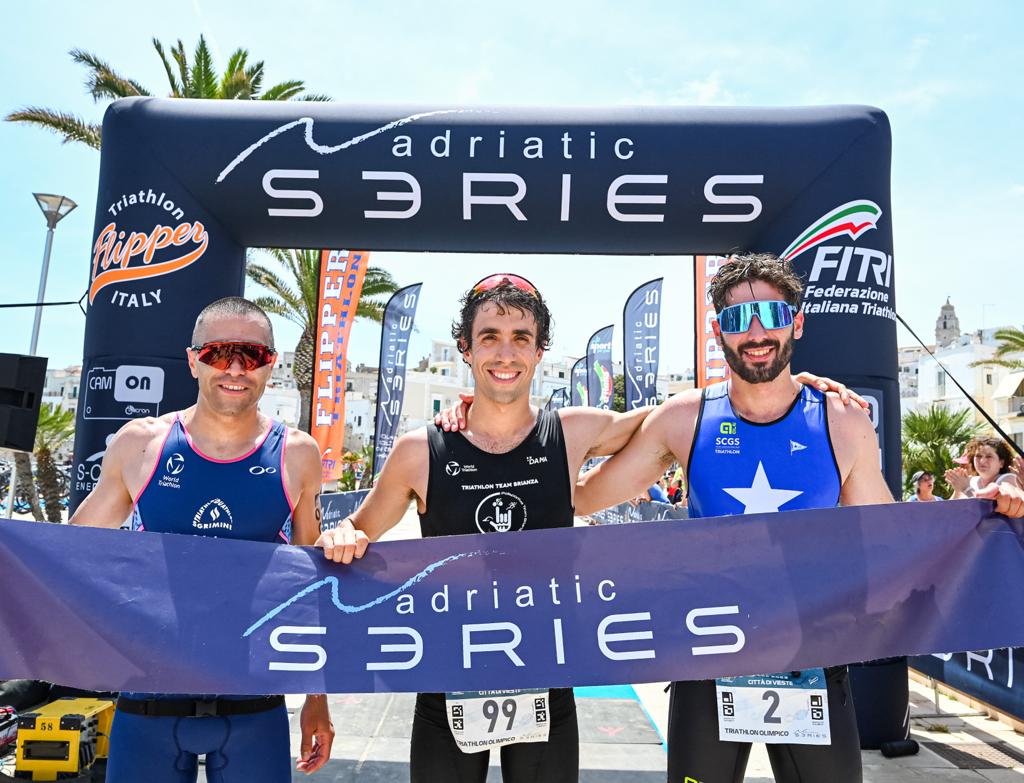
pixel 62 739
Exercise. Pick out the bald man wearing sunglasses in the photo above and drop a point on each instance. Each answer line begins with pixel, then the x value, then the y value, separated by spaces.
pixel 759 443
pixel 220 469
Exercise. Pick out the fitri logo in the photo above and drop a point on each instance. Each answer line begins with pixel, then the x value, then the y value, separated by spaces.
pixel 501 512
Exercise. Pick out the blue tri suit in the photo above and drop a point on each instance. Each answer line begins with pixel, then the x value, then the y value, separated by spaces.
pixel 245 498
pixel 742 467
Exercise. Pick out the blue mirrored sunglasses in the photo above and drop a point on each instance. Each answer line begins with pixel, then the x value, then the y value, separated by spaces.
pixel 736 318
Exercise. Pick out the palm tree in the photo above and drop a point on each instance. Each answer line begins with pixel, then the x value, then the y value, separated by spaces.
pixel 1011 342
pixel 24 486
pixel 198 79
pixel 931 439
pixel 56 427
pixel 299 305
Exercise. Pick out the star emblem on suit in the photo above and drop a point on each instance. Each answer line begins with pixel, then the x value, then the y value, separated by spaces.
pixel 761 496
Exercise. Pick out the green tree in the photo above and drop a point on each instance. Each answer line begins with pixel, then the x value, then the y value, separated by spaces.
pixel 240 80
pixel 299 305
pixel 56 427
pixel 931 439
pixel 1011 341
pixel 619 393
pixel 24 485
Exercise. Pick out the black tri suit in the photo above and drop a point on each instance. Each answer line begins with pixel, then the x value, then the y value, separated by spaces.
pixel 463 498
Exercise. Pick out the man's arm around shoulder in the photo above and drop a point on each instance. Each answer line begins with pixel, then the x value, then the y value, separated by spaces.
pixel 661 438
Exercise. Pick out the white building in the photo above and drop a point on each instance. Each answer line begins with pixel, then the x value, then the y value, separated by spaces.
pixel 61 387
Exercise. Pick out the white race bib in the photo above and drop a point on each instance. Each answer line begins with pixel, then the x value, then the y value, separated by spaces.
pixel 777 708
pixel 489 719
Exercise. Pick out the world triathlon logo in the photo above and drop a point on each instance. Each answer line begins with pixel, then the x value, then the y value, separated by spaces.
pixel 453 468
pixel 501 512
pixel 175 464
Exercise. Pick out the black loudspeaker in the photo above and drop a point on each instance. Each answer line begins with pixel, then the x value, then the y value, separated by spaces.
pixel 22 379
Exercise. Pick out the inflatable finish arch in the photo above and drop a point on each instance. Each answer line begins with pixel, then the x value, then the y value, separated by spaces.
pixel 186 186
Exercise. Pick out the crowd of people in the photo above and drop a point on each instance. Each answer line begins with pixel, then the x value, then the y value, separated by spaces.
pixel 986 461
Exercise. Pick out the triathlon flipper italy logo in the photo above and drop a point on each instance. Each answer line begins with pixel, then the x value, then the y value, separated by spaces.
pixel 851 219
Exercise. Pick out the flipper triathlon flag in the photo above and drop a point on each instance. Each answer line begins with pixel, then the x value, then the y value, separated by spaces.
pixel 113 610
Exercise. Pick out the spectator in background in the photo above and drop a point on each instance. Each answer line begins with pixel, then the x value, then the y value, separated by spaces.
pixel 923 482
pixel 659 492
pixel 988 462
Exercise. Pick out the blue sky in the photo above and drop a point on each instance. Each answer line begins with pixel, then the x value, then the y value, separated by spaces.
pixel 947 74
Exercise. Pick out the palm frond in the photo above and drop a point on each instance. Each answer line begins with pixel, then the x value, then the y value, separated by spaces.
pixel 283 91
pixel 204 79
pixel 56 426
pixel 235 87
pixel 255 74
pixel 178 53
pixel 273 306
pixel 104 82
pixel 236 64
pixel 67 125
pixel 370 310
pixel 176 89
pixel 1012 364
pixel 316 97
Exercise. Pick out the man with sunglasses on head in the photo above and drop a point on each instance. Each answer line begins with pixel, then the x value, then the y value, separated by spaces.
pixel 220 469
pixel 788 446
pixel 503 331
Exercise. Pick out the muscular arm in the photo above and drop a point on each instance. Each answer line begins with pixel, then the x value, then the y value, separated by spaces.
pixel 401 480
pixel 856 448
pixel 304 470
pixel 631 471
pixel 110 502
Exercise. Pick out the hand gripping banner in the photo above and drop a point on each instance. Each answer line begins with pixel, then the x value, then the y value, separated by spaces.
pixel 186 186
pixel 715 597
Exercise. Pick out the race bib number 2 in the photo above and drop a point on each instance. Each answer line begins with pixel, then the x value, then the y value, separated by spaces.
pixel 774 708
pixel 489 719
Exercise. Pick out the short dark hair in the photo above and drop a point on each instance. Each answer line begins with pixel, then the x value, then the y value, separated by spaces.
pixel 231 305
pixel 504 296
pixel 766 267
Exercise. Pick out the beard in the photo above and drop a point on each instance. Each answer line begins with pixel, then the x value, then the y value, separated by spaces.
pixel 762 373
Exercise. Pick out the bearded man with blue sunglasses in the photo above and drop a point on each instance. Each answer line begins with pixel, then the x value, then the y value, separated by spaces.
pixel 761 442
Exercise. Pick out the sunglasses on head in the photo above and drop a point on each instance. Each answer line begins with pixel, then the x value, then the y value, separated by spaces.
pixel 737 318
pixel 493 281
pixel 220 355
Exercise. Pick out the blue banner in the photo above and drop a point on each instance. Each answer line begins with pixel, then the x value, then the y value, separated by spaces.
pixel 995 677
pixel 559 399
pixel 578 380
pixel 600 385
pixel 641 512
pixel 715 597
pixel 641 345
pixel 335 506
pixel 399 317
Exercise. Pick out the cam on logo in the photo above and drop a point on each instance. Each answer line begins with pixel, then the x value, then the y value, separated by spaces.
pixel 501 512
pixel 727 428
pixel 453 468
pixel 138 383
pixel 175 464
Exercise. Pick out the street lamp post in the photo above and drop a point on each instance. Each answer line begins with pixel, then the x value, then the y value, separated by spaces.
pixel 54 208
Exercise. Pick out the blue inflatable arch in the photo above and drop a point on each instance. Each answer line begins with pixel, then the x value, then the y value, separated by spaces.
pixel 186 186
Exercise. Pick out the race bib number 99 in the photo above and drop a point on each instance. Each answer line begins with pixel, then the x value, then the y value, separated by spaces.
pixel 489 719
pixel 775 708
